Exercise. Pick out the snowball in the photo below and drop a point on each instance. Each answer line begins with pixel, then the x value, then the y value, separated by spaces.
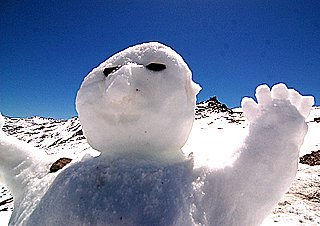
pixel 142 99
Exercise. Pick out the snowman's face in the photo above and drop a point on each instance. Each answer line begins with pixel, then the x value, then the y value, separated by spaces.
pixel 140 99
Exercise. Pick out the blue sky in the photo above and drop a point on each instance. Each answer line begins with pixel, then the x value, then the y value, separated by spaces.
pixel 47 47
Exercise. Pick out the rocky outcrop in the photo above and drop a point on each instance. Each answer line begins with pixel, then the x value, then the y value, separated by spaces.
pixel 312 159
pixel 59 164
pixel 213 105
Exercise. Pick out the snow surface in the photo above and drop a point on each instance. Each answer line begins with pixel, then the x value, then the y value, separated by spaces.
pixel 132 107
pixel 295 208
pixel 135 171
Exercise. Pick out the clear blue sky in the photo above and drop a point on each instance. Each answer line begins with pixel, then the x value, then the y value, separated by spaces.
pixel 47 47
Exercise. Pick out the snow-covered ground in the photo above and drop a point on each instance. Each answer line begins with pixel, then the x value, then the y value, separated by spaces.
pixel 300 205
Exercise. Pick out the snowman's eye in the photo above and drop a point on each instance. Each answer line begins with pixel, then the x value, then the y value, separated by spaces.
pixel 156 67
pixel 109 70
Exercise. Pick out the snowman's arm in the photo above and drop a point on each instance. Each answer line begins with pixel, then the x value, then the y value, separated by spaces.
pixel 16 157
pixel 268 160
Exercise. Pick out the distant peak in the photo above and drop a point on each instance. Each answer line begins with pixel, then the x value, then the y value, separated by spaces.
pixel 212 105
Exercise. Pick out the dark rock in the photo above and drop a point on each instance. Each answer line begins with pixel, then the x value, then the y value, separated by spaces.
pixel 4 202
pixel 312 159
pixel 213 105
pixel 317 119
pixel 59 164
pixel 79 133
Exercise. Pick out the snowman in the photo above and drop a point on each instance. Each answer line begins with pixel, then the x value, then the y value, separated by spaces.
pixel 137 110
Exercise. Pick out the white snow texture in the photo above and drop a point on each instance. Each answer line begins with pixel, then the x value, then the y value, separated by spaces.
pixel 139 117
pixel 137 109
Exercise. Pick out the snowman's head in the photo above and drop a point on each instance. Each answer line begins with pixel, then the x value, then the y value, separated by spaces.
pixel 142 99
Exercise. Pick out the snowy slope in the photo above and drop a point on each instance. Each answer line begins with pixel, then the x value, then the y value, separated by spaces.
pixel 300 206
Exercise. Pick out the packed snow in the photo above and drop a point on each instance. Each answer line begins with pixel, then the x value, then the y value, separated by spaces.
pixel 299 206
pixel 125 106
pixel 137 109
